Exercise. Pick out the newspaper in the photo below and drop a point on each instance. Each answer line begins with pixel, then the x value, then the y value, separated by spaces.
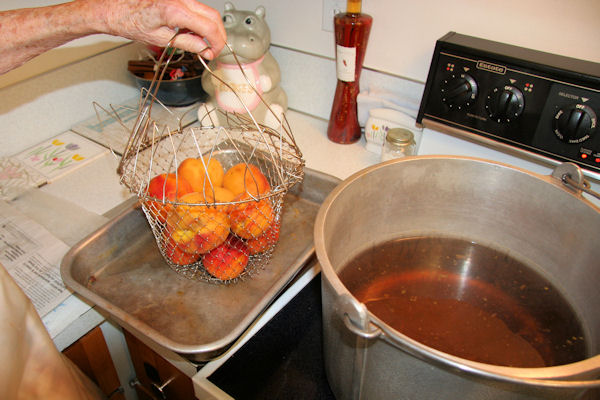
pixel 32 256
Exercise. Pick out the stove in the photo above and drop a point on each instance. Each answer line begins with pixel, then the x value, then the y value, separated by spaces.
pixel 538 105
pixel 284 359
pixel 483 99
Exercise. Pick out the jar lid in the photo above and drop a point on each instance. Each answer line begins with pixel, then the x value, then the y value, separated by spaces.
pixel 400 136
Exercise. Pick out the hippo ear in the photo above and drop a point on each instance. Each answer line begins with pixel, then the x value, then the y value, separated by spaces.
pixel 260 11
pixel 229 6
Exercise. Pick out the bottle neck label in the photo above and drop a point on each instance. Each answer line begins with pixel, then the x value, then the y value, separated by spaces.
pixel 346 63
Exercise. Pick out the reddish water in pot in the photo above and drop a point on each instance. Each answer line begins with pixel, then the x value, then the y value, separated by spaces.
pixel 467 300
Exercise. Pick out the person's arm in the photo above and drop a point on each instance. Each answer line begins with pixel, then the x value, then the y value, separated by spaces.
pixel 26 33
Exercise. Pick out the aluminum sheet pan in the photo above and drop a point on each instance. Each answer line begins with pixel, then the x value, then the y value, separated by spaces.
pixel 120 269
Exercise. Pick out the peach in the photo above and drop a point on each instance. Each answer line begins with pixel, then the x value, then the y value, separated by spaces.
pixel 264 241
pixel 167 187
pixel 194 171
pixel 251 219
pixel 227 261
pixel 219 195
pixel 242 178
pixel 197 228
pixel 178 256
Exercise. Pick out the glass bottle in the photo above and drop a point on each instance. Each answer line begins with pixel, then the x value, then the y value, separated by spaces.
pixel 352 30
pixel 399 142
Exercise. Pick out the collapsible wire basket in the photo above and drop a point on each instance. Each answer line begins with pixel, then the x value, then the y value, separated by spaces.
pixel 212 195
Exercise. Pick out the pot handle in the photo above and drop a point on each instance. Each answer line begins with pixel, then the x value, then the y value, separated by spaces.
pixel 572 177
pixel 356 317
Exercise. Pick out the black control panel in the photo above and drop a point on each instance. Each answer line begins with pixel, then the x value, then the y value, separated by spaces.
pixel 544 105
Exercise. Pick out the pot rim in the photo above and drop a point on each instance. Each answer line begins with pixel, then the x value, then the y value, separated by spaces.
pixel 555 376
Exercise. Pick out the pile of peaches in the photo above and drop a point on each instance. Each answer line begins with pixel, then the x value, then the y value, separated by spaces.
pixel 225 223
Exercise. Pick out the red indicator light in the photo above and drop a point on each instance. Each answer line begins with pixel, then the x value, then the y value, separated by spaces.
pixel 597 160
pixel 583 155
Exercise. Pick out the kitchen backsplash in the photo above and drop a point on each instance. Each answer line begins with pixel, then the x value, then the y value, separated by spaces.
pixel 309 81
pixel 51 103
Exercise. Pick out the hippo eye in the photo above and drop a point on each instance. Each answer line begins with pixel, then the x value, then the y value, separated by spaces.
pixel 248 21
pixel 227 18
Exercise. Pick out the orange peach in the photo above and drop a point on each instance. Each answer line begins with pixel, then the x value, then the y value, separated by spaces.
pixel 251 219
pixel 242 178
pixel 227 261
pixel 167 187
pixel 219 195
pixel 197 228
pixel 264 241
pixel 194 170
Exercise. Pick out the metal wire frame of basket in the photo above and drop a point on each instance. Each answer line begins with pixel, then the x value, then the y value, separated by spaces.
pixel 200 233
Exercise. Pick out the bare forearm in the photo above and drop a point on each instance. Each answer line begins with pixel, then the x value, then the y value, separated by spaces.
pixel 27 33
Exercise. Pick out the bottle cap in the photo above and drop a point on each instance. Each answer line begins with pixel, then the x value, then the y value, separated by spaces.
pixel 400 137
pixel 353 6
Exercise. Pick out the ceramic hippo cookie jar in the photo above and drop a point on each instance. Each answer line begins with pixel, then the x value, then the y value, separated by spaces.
pixel 249 37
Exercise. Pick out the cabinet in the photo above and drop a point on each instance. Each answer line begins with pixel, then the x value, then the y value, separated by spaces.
pixel 157 377
pixel 90 354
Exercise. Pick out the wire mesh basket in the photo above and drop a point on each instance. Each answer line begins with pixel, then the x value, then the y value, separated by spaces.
pixel 212 195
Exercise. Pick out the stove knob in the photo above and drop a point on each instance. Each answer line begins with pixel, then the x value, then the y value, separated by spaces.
pixel 505 104
pixel 459 90
pixel 574 124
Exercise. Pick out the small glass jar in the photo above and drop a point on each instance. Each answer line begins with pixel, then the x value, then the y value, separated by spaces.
pixel 399 142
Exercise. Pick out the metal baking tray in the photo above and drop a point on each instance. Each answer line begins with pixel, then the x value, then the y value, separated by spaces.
pixel 119 269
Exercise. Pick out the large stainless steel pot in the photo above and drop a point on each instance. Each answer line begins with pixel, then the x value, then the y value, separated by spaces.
pixel 536 217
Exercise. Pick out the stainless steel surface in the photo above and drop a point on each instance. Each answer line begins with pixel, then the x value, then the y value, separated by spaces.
pixel 120 269
pixel 532 217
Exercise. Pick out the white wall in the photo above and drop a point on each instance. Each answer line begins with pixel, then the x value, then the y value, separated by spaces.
pixel 404 32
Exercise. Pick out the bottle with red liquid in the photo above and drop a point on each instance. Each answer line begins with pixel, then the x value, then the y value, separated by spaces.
pixel 352 30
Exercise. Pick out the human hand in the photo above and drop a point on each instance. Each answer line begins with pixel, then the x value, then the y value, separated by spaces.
pixel 155 22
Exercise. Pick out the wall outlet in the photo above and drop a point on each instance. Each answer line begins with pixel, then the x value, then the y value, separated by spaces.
pixel 330 8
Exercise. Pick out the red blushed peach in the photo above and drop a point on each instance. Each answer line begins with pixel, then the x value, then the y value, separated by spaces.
pixel 264 241
pixel 198 171
pixel 197 228
pixel 246 178
pixel 178 256
pixel 227 261
pixel 167 187
pixel 251 219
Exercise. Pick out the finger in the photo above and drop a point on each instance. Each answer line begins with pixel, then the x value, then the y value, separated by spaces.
pixel 209 13
pixel 195 44
pixel 205 23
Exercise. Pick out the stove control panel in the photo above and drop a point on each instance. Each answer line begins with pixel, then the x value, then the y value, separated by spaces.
pixel 543 105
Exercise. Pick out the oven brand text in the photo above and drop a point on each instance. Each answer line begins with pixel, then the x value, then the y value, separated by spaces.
pixel 486 66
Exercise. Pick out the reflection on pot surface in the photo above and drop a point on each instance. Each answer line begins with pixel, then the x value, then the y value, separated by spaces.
pixel 467 300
